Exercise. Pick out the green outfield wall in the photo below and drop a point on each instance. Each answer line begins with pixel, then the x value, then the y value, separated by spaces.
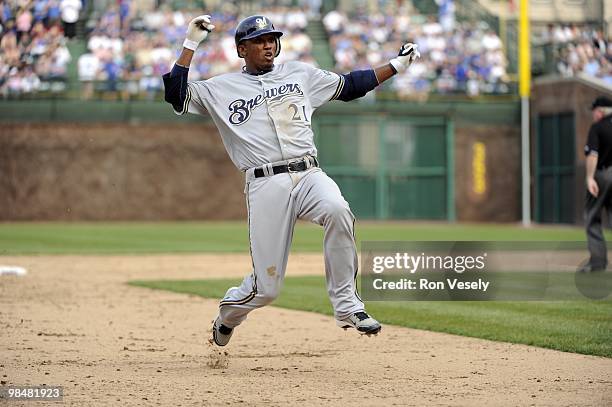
pixel 109 160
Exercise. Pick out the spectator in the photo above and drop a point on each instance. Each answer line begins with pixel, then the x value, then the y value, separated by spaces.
pixel 54 13
pixel 313 7
pixel 70 15
pixel 23 21
pixel 446 14
pixel 6 13
pixel 40 10
pixel 334 22
pixel 88 69
pixel 110 74
pixel 491 42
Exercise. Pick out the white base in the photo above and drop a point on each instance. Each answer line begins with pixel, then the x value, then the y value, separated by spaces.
pixel 12 271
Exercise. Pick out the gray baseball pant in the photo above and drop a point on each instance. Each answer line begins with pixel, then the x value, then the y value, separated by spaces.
pixel 274 203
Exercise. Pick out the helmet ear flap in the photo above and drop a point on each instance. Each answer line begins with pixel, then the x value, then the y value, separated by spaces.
pixel 278 46
pixel 238 51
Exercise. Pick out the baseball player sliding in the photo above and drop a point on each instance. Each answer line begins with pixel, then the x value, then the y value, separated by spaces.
pixel 264 117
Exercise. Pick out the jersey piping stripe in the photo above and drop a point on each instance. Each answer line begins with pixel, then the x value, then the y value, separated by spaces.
pixel 185 104
pixel 187 101
pixel 339 88
pixel 253 292
pixel 246 299
pixel 239 302
pixel 355 282
pixel 357 268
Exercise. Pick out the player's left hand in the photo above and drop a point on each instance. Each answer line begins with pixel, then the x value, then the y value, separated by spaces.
pixel 408 53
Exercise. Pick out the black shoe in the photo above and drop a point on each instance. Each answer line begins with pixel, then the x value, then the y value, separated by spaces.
pixel 589 268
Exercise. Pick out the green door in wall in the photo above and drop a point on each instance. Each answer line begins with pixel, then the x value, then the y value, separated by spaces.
pixel 555 168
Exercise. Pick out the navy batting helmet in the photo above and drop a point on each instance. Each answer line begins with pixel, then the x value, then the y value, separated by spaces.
pixel 255 26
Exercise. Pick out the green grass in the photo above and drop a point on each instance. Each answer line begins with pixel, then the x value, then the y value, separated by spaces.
pixel 228 237
pixel 582 327
pixel 577 326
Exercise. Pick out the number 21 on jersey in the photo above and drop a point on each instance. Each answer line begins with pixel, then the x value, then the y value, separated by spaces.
pixel 298 113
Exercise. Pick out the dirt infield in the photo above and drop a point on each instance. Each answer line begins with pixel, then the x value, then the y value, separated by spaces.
pixel 72 321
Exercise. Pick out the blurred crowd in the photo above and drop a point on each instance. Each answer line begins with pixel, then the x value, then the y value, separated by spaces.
pixel 579 50
pixel 131 43
pixel 130 48
pixel 33 51
pixel 466 58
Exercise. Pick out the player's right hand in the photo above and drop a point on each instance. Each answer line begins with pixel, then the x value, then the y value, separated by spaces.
pixel 197 31
pixel 408 53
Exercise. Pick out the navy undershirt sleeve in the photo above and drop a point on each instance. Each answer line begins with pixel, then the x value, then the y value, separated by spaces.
pixel 175 86
pixel 357 84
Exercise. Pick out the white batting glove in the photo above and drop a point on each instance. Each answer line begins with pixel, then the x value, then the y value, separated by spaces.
pixel 197 31
pixel 408 53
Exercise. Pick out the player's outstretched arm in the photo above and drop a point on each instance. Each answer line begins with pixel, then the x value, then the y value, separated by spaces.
pixel 175 81
pixel 358 83
pixel 197 31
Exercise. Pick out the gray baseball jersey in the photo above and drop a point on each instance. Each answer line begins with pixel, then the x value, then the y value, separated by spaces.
pixel 265 118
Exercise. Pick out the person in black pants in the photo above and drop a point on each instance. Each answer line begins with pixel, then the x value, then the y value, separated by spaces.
pixel 598 152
